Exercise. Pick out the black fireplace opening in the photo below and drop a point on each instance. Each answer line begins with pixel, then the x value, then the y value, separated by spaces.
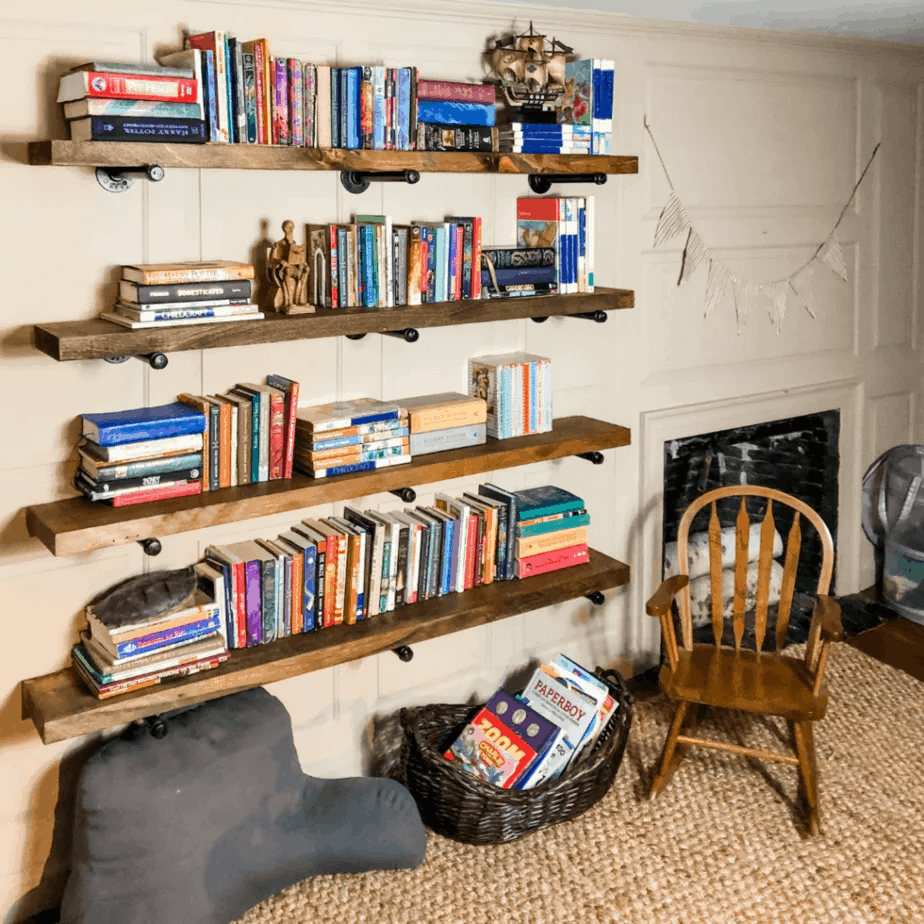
pixel 798 455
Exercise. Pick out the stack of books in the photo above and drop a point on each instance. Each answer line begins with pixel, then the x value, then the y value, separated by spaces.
pixel 530 138
pixel 455 116
pixel 147 454
pixel 249 434
pixel 513 271
pixel 565 225
pixel 374 263
pixel 445 421
pixel 517 390
pixel 175 294
pixel 105 101
pixel 517 742
pixel 590 107
pixel 351 436
pixel 551 531
pixel 121 652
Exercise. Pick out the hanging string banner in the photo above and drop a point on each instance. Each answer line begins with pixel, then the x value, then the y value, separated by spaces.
pixel 747 295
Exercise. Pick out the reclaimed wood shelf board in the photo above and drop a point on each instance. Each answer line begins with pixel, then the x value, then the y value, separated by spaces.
pixel 61 707
pixel 284 157
pixel 68 527
pixel 95 339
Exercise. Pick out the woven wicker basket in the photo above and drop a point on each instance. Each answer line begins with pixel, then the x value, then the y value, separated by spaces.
pixel 462 807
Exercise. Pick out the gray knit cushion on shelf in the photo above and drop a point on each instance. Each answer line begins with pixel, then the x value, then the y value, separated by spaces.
pixel 198 827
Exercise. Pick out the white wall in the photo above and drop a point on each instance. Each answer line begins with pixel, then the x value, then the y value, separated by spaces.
pixel 764 135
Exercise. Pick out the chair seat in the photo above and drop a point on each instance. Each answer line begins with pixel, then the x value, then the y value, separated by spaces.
pixel 767 683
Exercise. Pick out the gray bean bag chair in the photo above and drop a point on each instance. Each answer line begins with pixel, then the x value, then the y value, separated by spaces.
pixel 198 827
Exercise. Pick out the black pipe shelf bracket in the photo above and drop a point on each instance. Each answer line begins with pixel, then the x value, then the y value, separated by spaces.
pixel 151 546
pixel 404 652
pixel 599 316
pixel 118 179
pixel 542 182
pixel 156 725
pixel 596 597
pixel 541 319
pixel 595 457
pixel 154 360
pixel 408 334
pixel 357 181
pixel 408 495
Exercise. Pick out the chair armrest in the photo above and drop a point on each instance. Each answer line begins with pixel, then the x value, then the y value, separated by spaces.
pixel 827 614
pixel 660 603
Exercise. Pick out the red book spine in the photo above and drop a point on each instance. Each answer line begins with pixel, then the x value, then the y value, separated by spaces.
pixel 277 435
pixel 538 208
pixel 238 573
pixel 460 237
pixel 476 257
pixel 334 269
pixel 260 86
pixel 170 490
pixel 471 542
pixel 552 561
pixel 456 92
pixel 117 86
pixel 425 294
pixel 291 412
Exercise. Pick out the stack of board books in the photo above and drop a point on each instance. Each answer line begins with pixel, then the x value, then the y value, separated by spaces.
pixel 551 531
pixel 565 225
pixel 339 570
pixel 249 434
pixel 518 742
pixel 445 421
pixel 374 263
pixel 120 653
pixel 106 101
pixel 147 454
pixel 517 390
pixel 350 436
pixel 175 294
pixel 455 116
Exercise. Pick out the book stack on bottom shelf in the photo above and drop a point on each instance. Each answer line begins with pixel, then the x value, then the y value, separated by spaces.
pixel 122 650
pixel 551 531
pixel 147 454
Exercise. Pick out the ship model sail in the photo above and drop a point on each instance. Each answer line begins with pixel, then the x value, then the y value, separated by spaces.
pixel 530 70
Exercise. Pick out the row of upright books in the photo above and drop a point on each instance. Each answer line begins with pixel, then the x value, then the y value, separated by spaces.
pixel 340 570
pixel 121 650
pixel 173 294
pixel 518 742
pixel 565 225
pixel 517 388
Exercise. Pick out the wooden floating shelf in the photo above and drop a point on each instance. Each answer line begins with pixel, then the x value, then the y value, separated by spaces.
pixel 95 339
pixel 61 707
pixel 69 527
pixel 284 157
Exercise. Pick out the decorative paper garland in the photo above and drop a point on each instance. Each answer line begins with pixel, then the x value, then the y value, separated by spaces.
pixel 674 220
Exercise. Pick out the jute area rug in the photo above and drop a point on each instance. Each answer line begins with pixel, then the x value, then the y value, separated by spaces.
pixel 723 844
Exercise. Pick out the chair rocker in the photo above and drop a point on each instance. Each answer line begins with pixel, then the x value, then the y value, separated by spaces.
pixel 757 681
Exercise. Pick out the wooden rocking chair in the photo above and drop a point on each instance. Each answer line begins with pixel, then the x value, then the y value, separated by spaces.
pixel 765 682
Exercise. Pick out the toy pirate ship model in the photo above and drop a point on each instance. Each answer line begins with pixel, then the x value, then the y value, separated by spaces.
pixel 531 73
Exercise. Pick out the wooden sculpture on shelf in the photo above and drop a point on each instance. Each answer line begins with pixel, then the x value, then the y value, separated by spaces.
pixel 287 272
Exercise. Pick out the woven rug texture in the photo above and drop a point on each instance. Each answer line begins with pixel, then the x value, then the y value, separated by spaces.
pixel 725 843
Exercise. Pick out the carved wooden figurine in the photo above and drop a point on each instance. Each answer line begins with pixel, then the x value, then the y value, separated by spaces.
pixel 287 271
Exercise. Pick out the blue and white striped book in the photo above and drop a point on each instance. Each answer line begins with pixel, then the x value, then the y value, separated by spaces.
pixel 357 467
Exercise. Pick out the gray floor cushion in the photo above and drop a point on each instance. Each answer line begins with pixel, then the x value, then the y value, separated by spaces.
pixel 201 825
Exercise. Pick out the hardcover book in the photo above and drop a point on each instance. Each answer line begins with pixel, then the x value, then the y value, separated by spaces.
pixel 166 273
pixel 337 415
pixel 78 84
pixel 139 128
pixel 442 411
pixel 146 423
pixel 545 500
pixel 453 113
pixel 456 92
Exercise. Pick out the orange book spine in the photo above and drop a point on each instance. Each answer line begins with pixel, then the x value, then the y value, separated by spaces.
pixel 476 257
pixel 470 543
pixel 527 397
pixel 353 579
pixel 291 413
pixel 224 441
pixel 331 567
pixel 298 586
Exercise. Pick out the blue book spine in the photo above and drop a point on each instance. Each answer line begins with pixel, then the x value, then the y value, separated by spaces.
pixel 255 439
pixel 542 146
pixel 232 98
pixel 522 274
pixel 114 429
pixel 449 529
pixel 386 571
pixel 354 78
pixel 155 640
pixel 453 113
pixel 439 282
pixel 344 107
pixel 378 108
pixel 335 107
pixel 560 133
pixel 403 128
pixel 582 240
pixel 208 73
pixel 368 266
pixel 309 599
pixel 346 469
